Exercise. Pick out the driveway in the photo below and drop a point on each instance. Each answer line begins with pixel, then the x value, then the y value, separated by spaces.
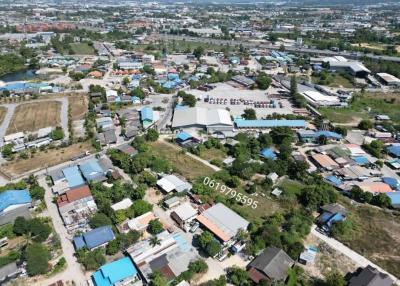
pixel 73 272
pixel 358 259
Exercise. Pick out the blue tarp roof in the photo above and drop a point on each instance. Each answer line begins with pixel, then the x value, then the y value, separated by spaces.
pixel 23 86
pixel 392 182
pixel 73 176
pixel 95 237
pixel 334 180
pixel 268 153
pixel 91 170
pixel 183 136
pixel 395 198
pixel 242 123
pixel 14 197
pixel 328 134
pixel 146 113
pixel 114 272
pixel 394 150
pixel 360 160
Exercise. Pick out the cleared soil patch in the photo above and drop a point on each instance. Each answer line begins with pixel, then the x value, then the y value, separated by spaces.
pixel 45 159
pixel 78 105
pixel 33 116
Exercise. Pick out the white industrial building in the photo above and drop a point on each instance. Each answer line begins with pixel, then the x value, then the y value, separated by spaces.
pixel 316 98
pixel 388 79
pixel 198 117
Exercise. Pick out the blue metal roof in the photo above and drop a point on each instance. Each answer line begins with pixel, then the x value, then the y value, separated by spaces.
pixel 91 170
pixel 114 272
pixel 180 106
pixel 360 160
pixel 392 182
pixel 73 176
pixel 95 237
pixel 242 123
pixel 268 153
pixel 394 150
pixel 395 198
pixel 146 113
pixel 23 86
pixel 14 197
pixel 328 134
pixel 183 136
pixel 335 218
pixel 181 242
pixel 334 180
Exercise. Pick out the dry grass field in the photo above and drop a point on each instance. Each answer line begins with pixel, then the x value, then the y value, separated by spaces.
pixel 3 112
pixel 78 105
pixel 44 159
pixel 33 116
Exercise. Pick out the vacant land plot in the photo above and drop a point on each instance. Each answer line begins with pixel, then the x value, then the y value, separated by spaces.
pixel 183 164
pixel 82 49
pixel 45 159
pixel 334 80
pixel 3 112
pixel 367 105
pixel 213 153
pixel 78 105
pixel 376 235
pixel 33 116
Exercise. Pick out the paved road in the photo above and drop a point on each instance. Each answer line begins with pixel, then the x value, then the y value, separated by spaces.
pixel 12 106
pixel 73 271
pixel 249 44
pixel 360 260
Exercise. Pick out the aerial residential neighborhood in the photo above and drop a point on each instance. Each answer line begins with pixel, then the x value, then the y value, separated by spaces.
pixel 204 143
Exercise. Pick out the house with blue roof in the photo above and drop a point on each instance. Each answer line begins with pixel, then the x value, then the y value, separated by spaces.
pixel 92 171
pixel 392 182
pixel 13 199
pixel 95 238
pixel 268 153
pixel 119 272
pixel 147 116
pixel 73 177
pixel 330 214
pixel 329 135
pixel 333 180
pixel 394 151
pixel 361 160
pixel 395 199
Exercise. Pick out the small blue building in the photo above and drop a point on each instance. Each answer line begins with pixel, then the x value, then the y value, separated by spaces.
pixel 11 199
pixel 73 177
pixel 268 153
pixel 95 238
pixel 394 151
pixel 92 171
pixel 116 272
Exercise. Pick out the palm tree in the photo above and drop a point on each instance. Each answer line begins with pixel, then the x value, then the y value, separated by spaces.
pixel 154 241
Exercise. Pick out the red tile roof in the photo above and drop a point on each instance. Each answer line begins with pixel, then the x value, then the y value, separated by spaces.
pixel 73 195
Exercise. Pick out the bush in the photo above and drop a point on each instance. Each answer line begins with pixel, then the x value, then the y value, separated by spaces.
pixel 99 219
pixel 151 135
pixel 155 227
pixel 37 259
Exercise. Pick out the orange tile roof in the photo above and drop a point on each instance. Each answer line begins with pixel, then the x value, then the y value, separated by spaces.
pixel 375 187
pixel 73 195
pixel 213 228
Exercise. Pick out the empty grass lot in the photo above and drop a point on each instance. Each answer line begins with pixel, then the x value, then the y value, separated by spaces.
pixel 377 235
pixel 183 164
pixel 44 159
pixel 33 116
pixel 377 103
pixel 3 112
pixel 82 49
pixel 78 105
pixel 213 153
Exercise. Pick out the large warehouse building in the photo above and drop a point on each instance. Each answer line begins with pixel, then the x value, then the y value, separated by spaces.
pixel 198 117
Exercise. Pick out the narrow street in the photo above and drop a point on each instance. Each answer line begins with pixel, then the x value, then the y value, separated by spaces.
pixel 73 271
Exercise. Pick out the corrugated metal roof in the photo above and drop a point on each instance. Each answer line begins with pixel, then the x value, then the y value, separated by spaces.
pixel 14 197
pixel 242 123
pixel 73 176
pixel 114 272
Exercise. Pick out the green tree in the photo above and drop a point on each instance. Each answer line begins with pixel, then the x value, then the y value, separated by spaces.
pixel 37 259
pixel 213 248
pixel 57 133
pixel 198 52
pixel 37 192
pixel 155 227
pixel 238 276
pixel 198 266
pixel 20 226
pixel 140 207
pixel 365 124
pixel 334 278
pixel 99 219
pixel 7 150
pixel 205 238
pixel 249 114
pixel 154 241
pixel 38 229
pixel 152 135
pixel 156 279
pixel 263 81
